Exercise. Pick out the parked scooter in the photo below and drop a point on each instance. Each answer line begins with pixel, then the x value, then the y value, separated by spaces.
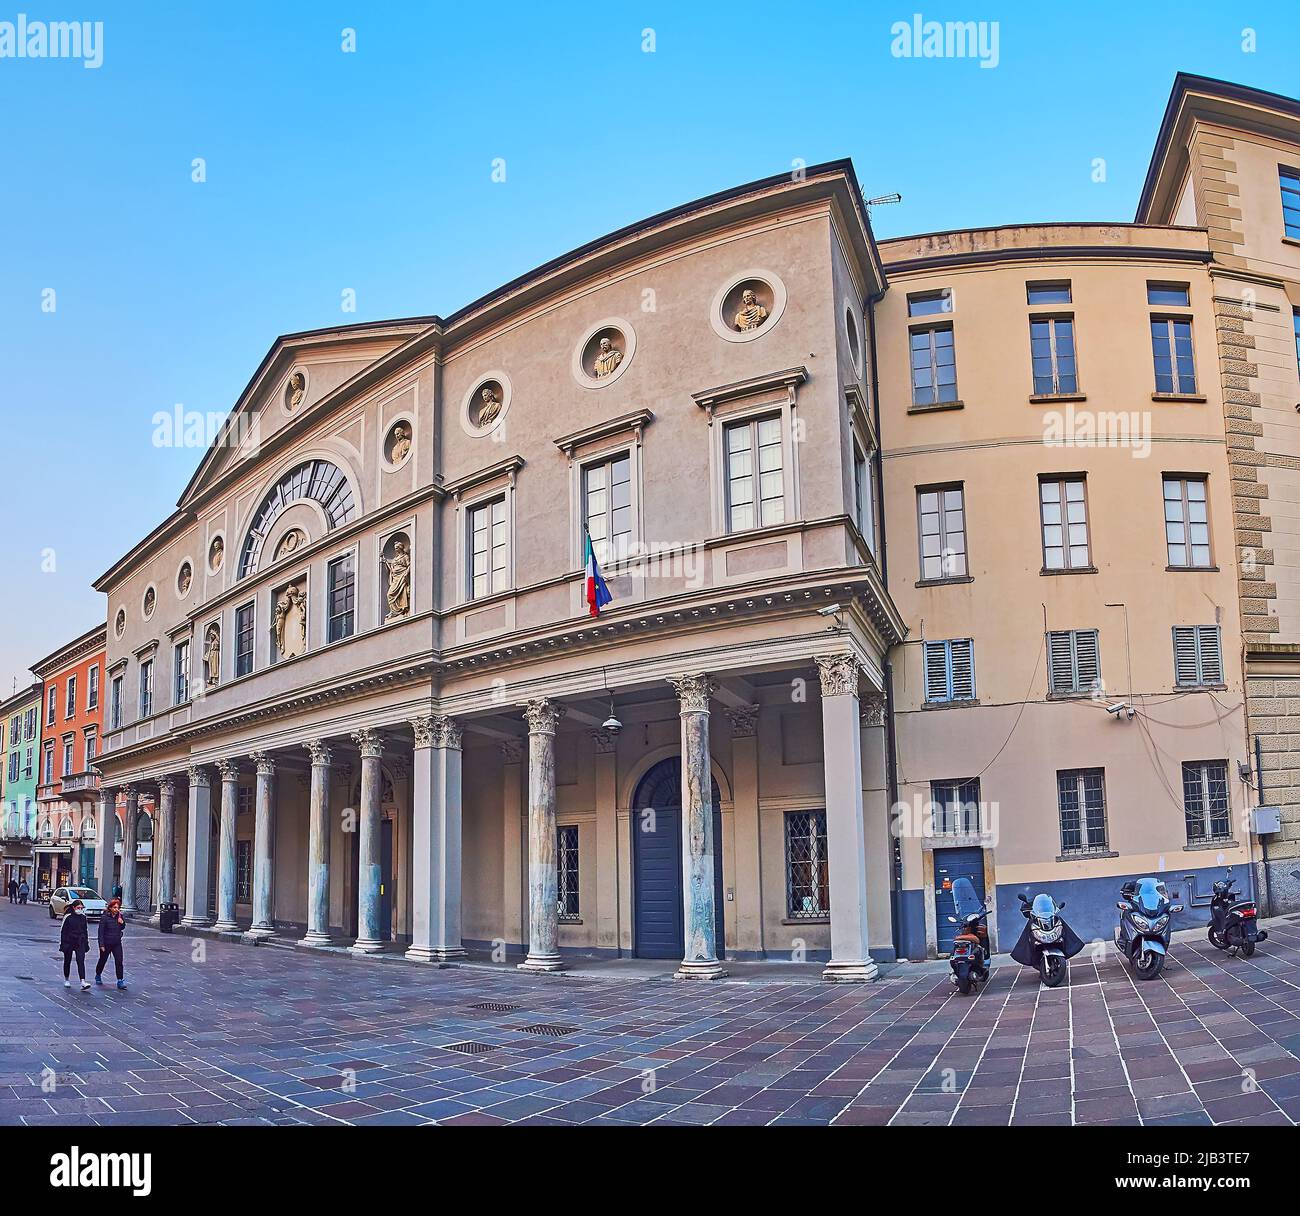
pixel 1234 921
pixel 1046 941
pixel 970 948
pixel 1143 932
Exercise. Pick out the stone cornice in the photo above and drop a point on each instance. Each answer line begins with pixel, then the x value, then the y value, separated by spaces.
pixel 503 468
pixel 72 653
pixel 634 423
pixel 787 379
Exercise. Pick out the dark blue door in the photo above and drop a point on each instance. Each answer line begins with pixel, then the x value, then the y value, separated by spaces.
pixel 385 879
pixel 657 916
pixel 950 864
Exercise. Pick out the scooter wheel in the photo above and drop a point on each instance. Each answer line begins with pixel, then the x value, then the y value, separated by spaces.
pixel 1051 970
pixel 1215 940
pixel 964 984
pixel 1149 964
pixel 1247 949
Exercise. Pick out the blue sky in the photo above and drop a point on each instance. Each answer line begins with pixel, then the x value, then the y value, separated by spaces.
pixel 372 171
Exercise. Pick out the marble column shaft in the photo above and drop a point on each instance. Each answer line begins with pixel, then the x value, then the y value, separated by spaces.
pixel 318 848
pixel 164 845
pixel 128 850
pixel 436 838
pixel 227 856
pixel 542 716
pixel 371 935
pixel 263 845
pixel 198 846
pixel 105 836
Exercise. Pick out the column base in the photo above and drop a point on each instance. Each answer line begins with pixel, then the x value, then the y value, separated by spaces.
pixel 316 939
pixel 542 963
pixel 225 926
pixel 195 922
pixel 851 971
pixel 257 933
pixel 700 969
pixel 435 954
pixel 367 945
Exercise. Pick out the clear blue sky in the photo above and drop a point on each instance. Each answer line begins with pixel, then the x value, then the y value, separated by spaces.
pixel 372 171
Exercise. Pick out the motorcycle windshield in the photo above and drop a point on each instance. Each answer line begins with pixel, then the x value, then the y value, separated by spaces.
pixel 965 899
pixel 1150 896
pixel 1043 907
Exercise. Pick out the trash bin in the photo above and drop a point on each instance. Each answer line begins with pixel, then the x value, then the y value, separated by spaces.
pixel 169 916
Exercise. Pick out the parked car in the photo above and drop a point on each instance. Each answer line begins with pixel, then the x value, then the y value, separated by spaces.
pixel 61 897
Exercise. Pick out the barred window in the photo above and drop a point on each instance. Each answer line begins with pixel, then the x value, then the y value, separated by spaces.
pixel 956 807
pixel 566 856
pixel 1205 801
pixel 1082 797
pixel 807 879
pixel 243 871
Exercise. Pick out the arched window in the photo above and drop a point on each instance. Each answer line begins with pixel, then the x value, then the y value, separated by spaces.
pixel 317 480
pixel 143 827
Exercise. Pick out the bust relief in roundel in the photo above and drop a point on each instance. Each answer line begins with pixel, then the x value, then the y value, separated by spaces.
pixel 604 353
pixel 486 404
pixel 295 391
pixel 216 554
pixel 397 444
pixel 748 305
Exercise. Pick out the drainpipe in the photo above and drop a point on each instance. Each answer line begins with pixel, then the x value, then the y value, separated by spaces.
pixel 1263 840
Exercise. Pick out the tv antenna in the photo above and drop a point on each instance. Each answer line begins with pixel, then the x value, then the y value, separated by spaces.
pixel 881 199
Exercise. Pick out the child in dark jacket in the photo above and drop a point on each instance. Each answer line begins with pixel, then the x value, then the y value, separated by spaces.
pixel 111 925
pixel 74 941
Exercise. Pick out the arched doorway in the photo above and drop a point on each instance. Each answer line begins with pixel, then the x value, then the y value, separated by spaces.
pixel 658 930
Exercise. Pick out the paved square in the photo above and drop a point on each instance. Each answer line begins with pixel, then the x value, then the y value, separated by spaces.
pixel 270 1035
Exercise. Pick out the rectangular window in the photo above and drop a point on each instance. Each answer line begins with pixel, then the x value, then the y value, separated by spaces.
pixel 67 757
pixel 342 584
pixel 1205 801
pixel 566 864
pixel 181 673
pixel 1187 522
pixel 934 365
pixel 51 701
pixel 863 496
pixel 1198 655
pixel 1295 325
pixel 941 513
pixel 1048 293
pixel 1289 180
pixel 244 618
pixel 607 507
pixel 92 742
pixel 928 303
pixel 70 703
pixel 1073 660
pixel 47 764
pixel 1081 794
pixel 1171 348
pixel 13 766
pixel 115 704
pixel 146 689
pixel 15 730
pixel 1051 350
pixel 29 723
pixel 92 688
pixel 1063 510
pixel 489 555
pixel 807 878
pixel 755 481
pixel 28 756
pixel 1176 295
pixel 243 871
pixel 956 807
pixel 949 670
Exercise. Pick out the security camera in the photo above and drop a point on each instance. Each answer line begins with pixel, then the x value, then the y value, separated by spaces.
pixel 1121 710
pixel 612 725
pixel 829 610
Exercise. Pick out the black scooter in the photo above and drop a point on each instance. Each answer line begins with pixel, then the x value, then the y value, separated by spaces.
pixel 1143 932
pixel 1046 941
pixel 970 948
pixel 1234 921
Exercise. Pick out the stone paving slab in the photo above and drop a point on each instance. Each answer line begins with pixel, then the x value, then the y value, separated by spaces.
pixel 255 1035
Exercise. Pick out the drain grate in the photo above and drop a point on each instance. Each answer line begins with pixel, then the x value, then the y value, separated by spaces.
pixel 469 1048
pixel 549 1030
pixel 496 1007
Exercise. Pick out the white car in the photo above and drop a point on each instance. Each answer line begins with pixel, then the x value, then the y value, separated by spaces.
pixel 61 897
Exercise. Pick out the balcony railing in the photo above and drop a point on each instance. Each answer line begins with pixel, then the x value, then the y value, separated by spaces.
pixel 75 782
pixel 48 792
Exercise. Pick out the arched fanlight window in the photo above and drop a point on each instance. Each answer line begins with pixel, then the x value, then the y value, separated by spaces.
pixel 65 829
pixel 143 827
pixel 317 480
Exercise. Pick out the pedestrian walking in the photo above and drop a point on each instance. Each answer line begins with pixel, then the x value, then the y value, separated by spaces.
pixel 13 890
pixel 74 941
pixel 111 925
pixel 23 891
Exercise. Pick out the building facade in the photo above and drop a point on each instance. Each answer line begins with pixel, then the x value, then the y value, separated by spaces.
pixel 20 716
pixel 67 791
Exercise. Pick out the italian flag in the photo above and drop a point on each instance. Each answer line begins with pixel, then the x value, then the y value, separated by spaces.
pixel 597 589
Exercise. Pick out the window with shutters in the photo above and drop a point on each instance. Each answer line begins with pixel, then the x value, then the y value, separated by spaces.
pixel 956 807
pixel 1205 801
pixel 1198 655
pixel 941 528
pixel 1187 522
pixel 1074 664
pixel 1063 511
pixel 949 671
pixel 1081 798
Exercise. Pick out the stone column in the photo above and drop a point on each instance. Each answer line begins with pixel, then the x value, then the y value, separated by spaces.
pixel 128 850
pixel 227 857
pixel 105 836
pixel 318 848
pixel 747 829
pixel 198 840
pixel 164 841
pixel 700 961
pixel 542 716
pixel 263 847
pixel 514 852
pixel 371 935
pixel 846 845
pixel 435 875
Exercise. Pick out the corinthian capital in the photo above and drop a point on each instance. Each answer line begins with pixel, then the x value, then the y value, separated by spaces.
pixel 744 721
pixel 319 751
pixel 839 674
pixel 873 709
pixel 229 770
pixel 693 691
pixel 370 743
pixel 199 778
pixel 265 765
pixel 166 787
pixel 423 728
pixel 447 732
pixel 543 716
pixel 512 751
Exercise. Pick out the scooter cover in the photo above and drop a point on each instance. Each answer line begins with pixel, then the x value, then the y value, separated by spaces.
pixel 1026 948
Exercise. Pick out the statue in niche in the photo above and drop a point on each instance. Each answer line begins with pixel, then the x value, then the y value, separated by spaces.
pixel 297 390
pixel 289 543
pixel 751 313
pixel 212 656
pixel 217 554
pixel 401 443
pixel 608 357
pixel 183 583
pixel 291 622
pixel 398 573
pixel 490 410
